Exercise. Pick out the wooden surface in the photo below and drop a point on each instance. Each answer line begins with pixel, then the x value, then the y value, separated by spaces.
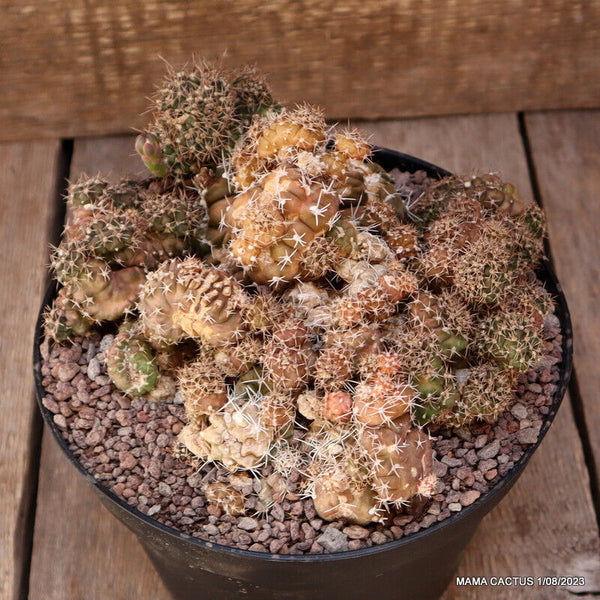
pixel 71 67
pixel 105 560
pixel 27 204
pixel 566 151
pixel 545 526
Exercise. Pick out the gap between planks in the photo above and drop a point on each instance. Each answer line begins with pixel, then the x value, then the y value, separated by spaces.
pixel 535 529
pixel 30 183
pixel 565 148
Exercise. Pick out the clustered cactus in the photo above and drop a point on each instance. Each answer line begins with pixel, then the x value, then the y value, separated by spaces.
pixel 313 318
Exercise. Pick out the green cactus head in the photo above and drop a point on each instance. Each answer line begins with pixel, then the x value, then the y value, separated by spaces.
pixel 130 362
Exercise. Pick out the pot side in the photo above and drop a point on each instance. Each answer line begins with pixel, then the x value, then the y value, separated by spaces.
pixel 418 567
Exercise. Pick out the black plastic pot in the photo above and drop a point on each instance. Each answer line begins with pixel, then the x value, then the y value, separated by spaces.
pixel 418 567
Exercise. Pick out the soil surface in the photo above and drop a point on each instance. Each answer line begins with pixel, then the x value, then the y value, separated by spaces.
pixel 127 445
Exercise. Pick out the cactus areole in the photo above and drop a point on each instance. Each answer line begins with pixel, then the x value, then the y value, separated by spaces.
pixel 319 319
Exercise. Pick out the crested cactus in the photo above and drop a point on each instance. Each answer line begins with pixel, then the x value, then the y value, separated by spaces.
pixel 330 318
pixel 187 298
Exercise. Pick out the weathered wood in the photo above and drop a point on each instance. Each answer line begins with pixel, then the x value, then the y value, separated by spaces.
pixel 546 525
pixel 566 150
pixel 28 174
pixel 80 551
pixel 72 68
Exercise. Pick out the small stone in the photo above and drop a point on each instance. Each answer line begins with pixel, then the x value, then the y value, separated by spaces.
pixel 65 371
pixel 51 404
pixel 471 457
pixel 127 460
pixel 378 537
pixel 333 540
pixel 256 547
pixel 275 545
pixel 454 507
pixel 106 343
pixel 123 417
pixel 277 512
pixel 211 529
pixel 162 441
pixel 486 465
pixel 464 434
pixel 248 524
pixel 164 489
pixel 95 436
pixel 491 474
pixel 356 532
pixel 297 509
pixel 354 545
pixel 490 450
pixel 467 498
pixel 316 548
pixel 452 462
pixel 519 411
pixel 60 421
pixel 295 531
pixel 153 510
pixel 463 472
pixel 309 532
pixel 94 369
pixel 527 436
pixel 481 441
pixel 439 468
pixel 154 468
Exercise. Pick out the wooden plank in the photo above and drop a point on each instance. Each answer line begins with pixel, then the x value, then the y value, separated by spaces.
pixel 28 174
pixel 73 68
pixel 546 525
pixel 566 150
pixel 92 556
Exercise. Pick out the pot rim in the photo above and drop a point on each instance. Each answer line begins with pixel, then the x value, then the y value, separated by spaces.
pixel 405 162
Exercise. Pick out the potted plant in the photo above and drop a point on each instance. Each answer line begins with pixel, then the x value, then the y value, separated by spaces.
pixel 288 361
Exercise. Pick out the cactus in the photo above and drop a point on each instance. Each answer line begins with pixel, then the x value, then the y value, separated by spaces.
pixel 511 340
pixel 236 437
pixel 277 137
pixel 340 494
pixel 272 224
pixel 150 151
pixel 203 387
pixel 400 460
pixel 186 298
pixel 315 319
pixel 63 319
pixel 198 115
pixel 130 362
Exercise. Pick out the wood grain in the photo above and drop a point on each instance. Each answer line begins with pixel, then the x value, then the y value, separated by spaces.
pixel 546 524
pixel 28 174
pixel 73 68
pixel 80 551
pixel 566 150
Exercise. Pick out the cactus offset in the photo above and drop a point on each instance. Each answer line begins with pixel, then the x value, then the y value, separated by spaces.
pixel 130 362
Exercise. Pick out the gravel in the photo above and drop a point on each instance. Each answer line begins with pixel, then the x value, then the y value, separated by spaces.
pixel 126 444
